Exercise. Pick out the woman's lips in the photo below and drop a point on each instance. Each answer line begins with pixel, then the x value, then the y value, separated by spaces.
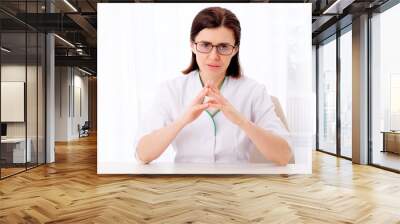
pixel 213 66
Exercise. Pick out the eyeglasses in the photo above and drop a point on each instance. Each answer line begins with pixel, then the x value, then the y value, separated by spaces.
pixel 206 47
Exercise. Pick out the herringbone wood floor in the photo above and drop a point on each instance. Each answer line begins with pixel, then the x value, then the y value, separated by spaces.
pixel 70 191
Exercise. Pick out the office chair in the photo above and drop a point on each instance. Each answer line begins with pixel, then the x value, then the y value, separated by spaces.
pixel 84 130
pixel 279 111
pixel 256 156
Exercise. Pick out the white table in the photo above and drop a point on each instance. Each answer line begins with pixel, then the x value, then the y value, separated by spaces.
pixel 215 168
pixel 303 165
pixel 18 144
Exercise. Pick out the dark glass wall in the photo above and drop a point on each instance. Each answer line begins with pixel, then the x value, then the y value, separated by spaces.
pixel 22 88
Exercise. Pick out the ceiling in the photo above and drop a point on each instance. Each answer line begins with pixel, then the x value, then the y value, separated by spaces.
pixel 76 22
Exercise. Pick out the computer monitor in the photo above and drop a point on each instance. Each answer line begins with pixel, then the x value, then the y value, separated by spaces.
pixel 3 129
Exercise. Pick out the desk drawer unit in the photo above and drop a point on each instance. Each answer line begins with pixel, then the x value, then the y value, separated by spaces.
pixel 13 151
pixel 391 142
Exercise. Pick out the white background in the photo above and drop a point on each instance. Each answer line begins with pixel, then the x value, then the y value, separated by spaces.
pixel 141 45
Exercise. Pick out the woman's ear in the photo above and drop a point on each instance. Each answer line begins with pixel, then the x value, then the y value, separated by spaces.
pixel 235 51
pixel 192 46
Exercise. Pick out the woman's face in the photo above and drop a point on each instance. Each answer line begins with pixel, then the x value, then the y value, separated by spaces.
pixel 214 62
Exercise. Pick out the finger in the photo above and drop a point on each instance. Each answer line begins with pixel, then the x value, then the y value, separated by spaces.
pixel 214 102
pixel 214 87
pixel 208 98
pixel 215 105
pixel 215 90
pixel 200 97
pixel 215 96
pixel 210 83
pixel 202 106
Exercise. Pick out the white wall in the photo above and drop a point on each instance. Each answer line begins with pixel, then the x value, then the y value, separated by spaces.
pixel 67 115
pixel 61 103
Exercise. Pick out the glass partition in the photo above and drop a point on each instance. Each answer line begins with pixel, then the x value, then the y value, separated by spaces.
pixel 327 96
pixel 385 89
pixel 346 94
pixel 22 77
pixel 13 103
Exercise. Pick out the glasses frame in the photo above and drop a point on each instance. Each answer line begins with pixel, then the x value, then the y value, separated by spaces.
pixel 216 47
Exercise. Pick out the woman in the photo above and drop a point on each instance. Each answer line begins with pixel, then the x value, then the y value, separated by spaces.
pixel 213 113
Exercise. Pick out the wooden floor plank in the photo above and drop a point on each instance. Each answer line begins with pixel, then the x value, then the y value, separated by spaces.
pixel 70 191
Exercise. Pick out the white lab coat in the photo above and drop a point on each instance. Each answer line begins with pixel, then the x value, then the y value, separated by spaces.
pixel 199 142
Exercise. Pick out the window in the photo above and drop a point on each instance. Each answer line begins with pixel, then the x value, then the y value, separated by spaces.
pixel 327 96
pixel 346 93
pixel 385 89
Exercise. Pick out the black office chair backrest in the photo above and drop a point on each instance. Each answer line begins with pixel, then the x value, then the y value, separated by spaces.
pixel 86 125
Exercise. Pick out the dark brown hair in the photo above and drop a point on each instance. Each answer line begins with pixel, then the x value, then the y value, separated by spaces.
pixel 214 17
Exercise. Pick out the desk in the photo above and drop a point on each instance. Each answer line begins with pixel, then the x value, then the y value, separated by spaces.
pixel 190 168
pixel 13 150
pixel 303 165
pixel 391 141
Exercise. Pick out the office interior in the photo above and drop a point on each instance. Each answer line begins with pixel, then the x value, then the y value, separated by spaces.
pixel 49 86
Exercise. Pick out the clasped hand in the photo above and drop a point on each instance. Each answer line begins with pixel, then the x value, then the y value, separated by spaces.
pixel 215 100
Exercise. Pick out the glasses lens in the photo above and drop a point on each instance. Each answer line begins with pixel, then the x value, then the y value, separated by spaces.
pixel 224 49
pixel 204 47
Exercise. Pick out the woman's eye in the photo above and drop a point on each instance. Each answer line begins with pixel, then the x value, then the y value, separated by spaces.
pixel 223 47
pixel 205 45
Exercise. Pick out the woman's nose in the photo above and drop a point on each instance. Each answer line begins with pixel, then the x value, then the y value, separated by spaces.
pixel 214 53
